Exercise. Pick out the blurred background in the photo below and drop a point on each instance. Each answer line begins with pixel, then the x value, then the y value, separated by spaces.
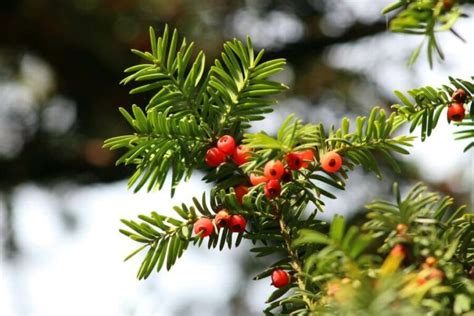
pixel 61 197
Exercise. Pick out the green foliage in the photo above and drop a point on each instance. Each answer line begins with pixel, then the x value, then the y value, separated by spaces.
pixel 467 131
pixel 428 103
pixel 341 248
pixel 166 71
pixel 162 142
pixel 238 86
pixel 336 268
pixel 424 213
pixel 361 297
pixel 368 284
pixel 166 238
pixel 372 134
pixel 434 228
pixel 424 17
pixel 190 108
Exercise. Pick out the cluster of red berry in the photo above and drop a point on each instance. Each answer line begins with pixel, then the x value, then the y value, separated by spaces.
pixel 225 148
pixel 331 162
pixel 456 111
pixel 205 226
pixel 215 156
pixel 274 172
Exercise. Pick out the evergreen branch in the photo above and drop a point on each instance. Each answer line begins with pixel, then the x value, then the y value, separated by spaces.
pixel 426 18
pixel 363 294
pixel 191 110
pixel 467 132
pixel 422 210
pixel 166 239
pixel 239 84
pixel 161 143
pixel 177 89
pixel 334 262
pixel 295 261
pixel 342 247
pixel 295 296
pixel 428 103
pixel 372 134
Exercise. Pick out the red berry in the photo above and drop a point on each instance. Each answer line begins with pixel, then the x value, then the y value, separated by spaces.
pixel 214 157
pixel 256 179
pixel 203 226
pixel 459 96
pixel 294 160
pixel 240 191
pixel 456 112
pixel 241 155
pixel 280 278
pixel 299 159
pixel 226 144
pixel 420 280
pixel 308 156
pixel 272 189
pixel 331 162
pixel 273 170
pixel 398 250
pixel 237 223
pixel 222 218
